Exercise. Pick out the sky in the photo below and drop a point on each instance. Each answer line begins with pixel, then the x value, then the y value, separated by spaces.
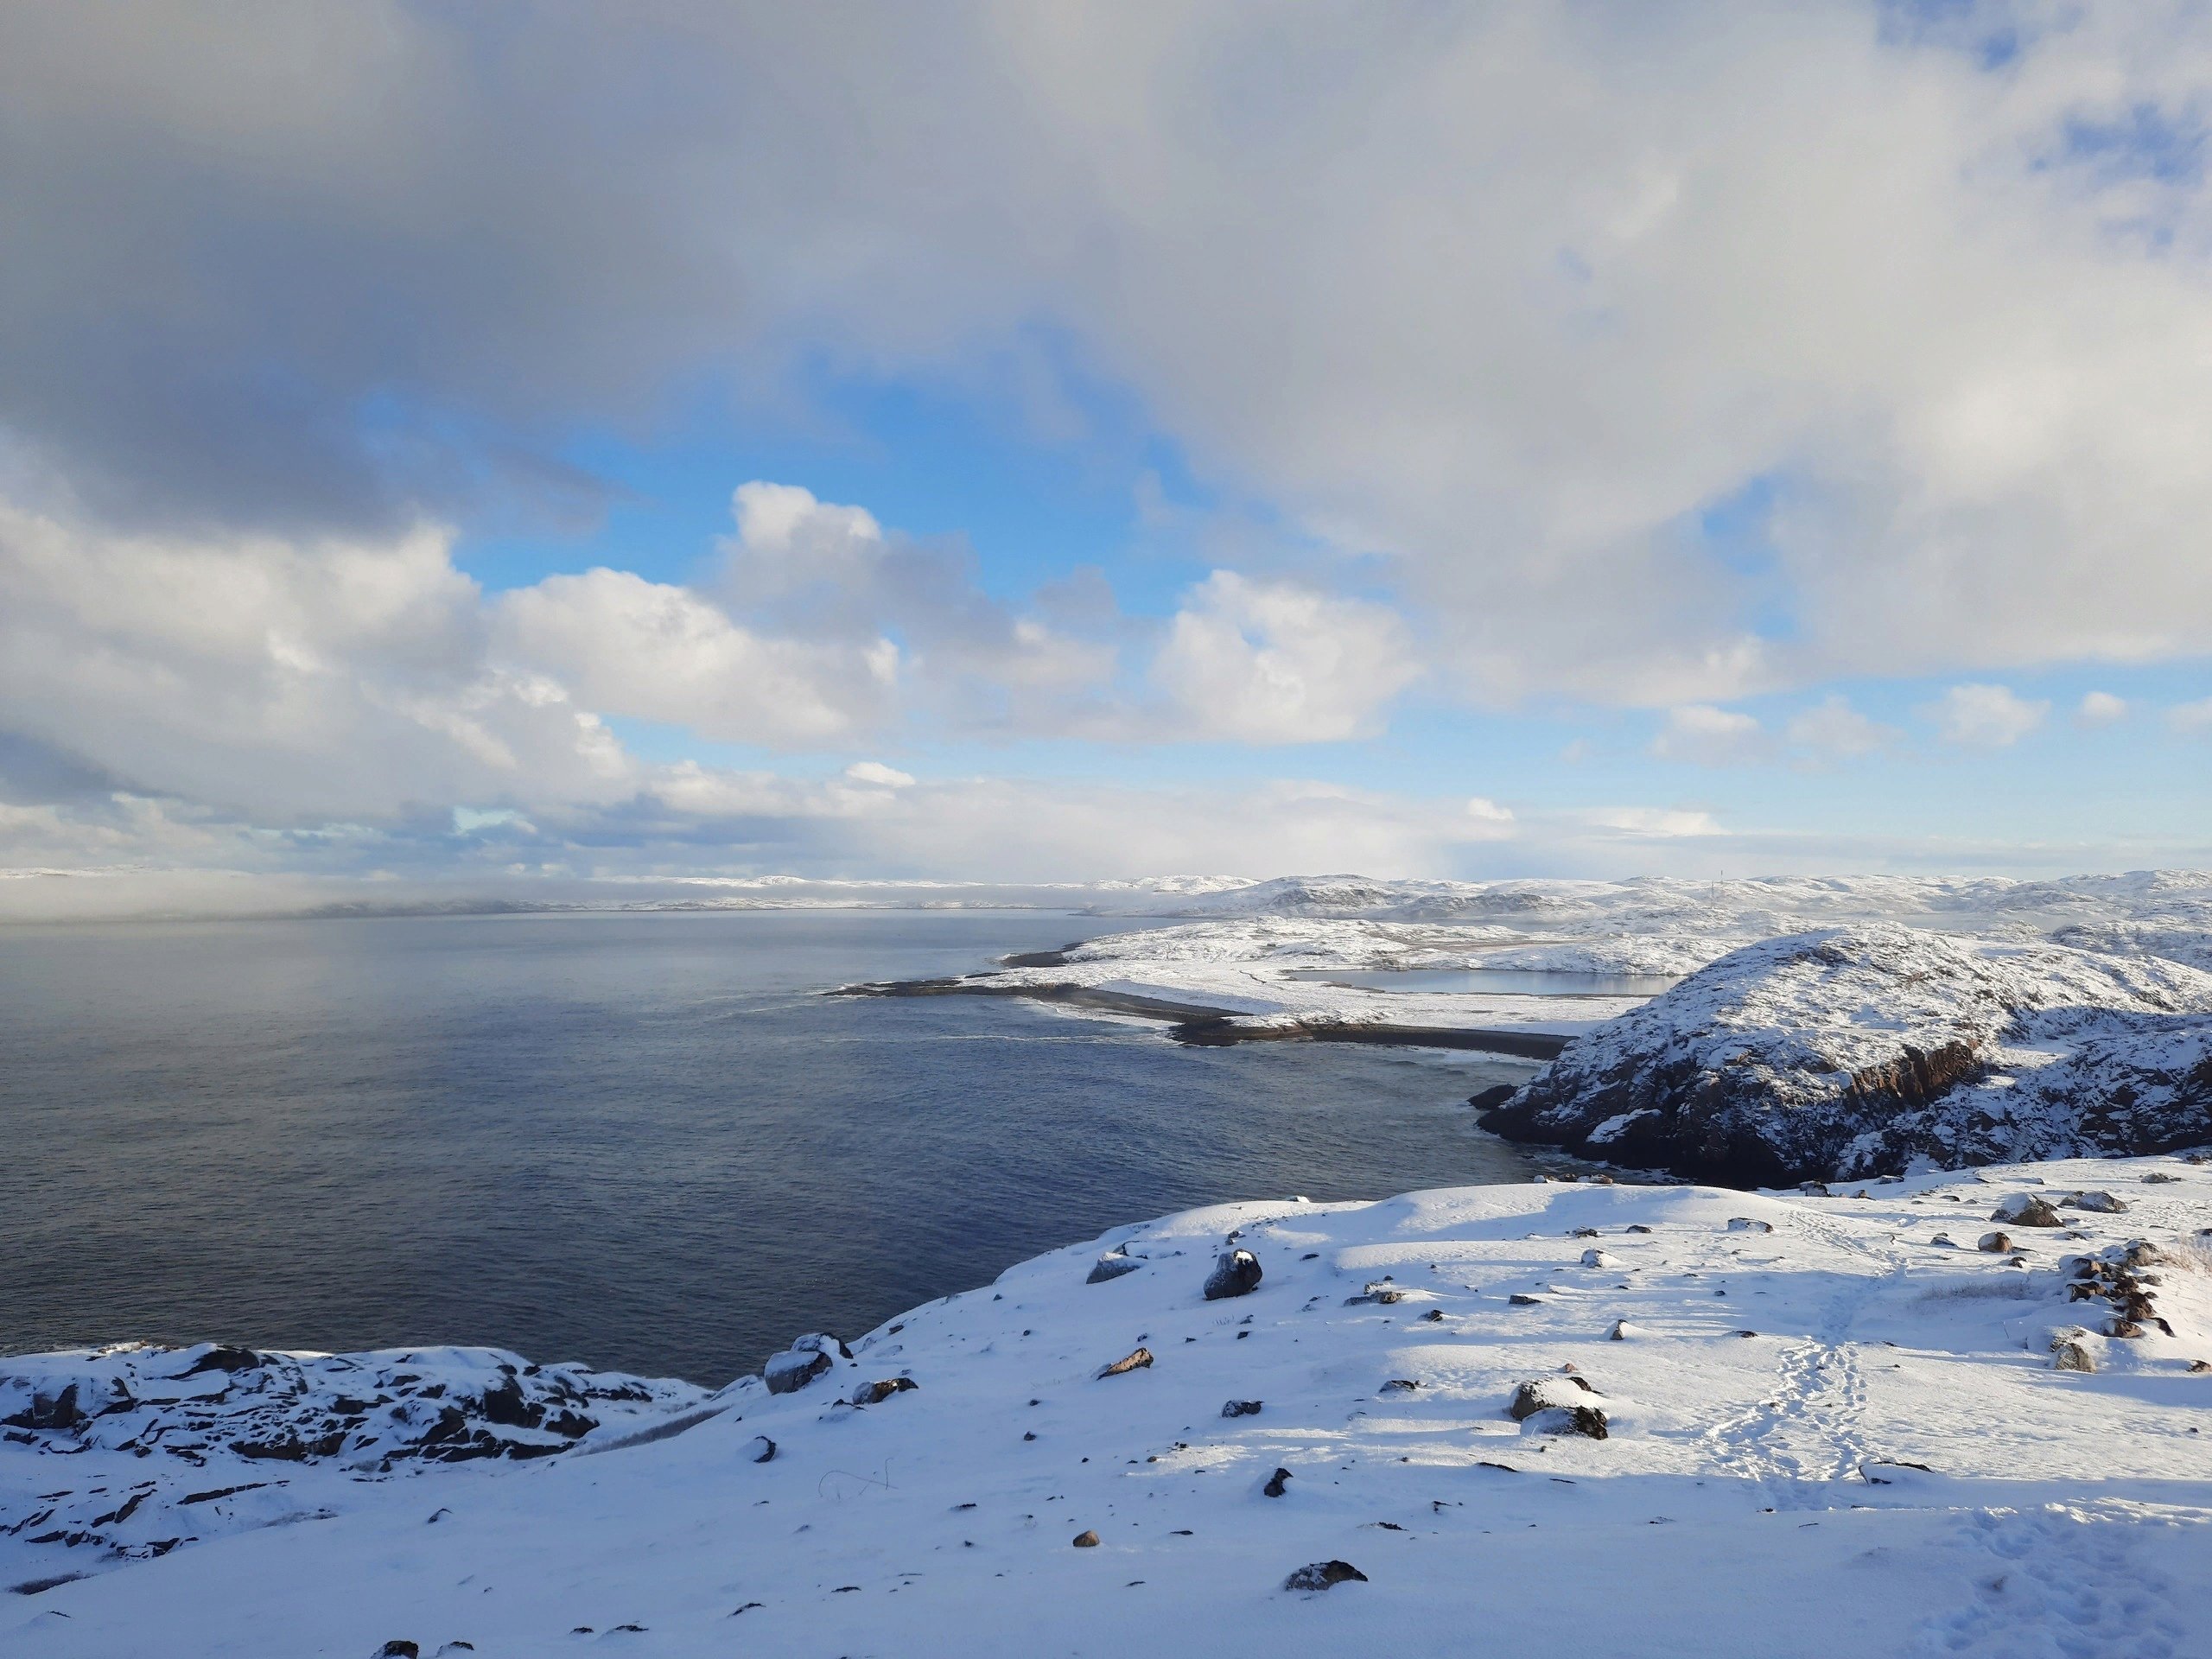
pixel 485 444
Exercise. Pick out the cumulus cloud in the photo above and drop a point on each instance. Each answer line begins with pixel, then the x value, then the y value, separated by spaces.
pixel 2100 709
pixel 2191 719
pixel 815 570
pixel 1275 663
pixel 1984 716
pixel 330 678
pixel 1832 729
pixel 645 649
pixel 1706 736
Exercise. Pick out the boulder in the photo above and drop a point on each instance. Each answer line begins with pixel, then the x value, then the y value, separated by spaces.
pixel 1381 1292
pixel 1545 1393
pixel 1746 1225
pixel 1136 1359
pixel 1586 1420
pixel 2102 1203
pixel 1086 1540
pixel 1236 1274
pixel 2067 1353
pixel 1995 1243
pixel 805 1360
pixel 875 1394
pixel 1598 1259
pixel 1275 1486
pixel 1240 1408
pixel 760 1449
pixel 2026 1210
pixel 1112 1265
pixel 1320 1575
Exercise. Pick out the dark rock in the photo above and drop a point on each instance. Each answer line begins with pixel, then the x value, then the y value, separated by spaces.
pixel 1434 1316
pixel 877 1392
pixel 1236 1274
pixel 804 1361
pixel 1400 1385
pixel 1519 1298
pixel 760 1449
pixel 1320 1575
pixel 1746 1225
pixel 1275 1487
pixel 1995 1243
pixel 1490 1099
pixel 504 1404
pixel 2103 1203
pixel 1241 1408
pixel 1585 1420
pixel 1380 1292
pixel 2026 1210
pixel 223 1356
pixel 1112 1265
pixel 61 1411
pixel 1545 1394
pixel 398 1649
pixel 1086 1540
pixel 1136 1359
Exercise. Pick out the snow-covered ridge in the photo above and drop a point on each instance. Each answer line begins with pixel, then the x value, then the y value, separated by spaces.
pixel 1852 1051
pixel 1255 937
pixel 1851 1404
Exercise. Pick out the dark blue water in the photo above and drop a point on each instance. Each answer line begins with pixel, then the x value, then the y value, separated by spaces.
pixel 1495 981
pixel 639 1141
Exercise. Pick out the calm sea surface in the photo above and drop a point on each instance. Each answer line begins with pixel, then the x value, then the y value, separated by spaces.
pixel 640 1141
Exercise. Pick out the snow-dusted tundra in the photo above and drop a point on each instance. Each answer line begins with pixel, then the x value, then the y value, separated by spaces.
pixel 1962 1411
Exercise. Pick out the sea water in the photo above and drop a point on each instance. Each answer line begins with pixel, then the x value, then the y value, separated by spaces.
pixel 643 1141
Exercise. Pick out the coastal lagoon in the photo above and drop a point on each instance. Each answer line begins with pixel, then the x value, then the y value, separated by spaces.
pixel 644 1141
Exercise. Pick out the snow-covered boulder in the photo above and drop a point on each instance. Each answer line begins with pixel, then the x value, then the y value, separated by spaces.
pixel 1853 1051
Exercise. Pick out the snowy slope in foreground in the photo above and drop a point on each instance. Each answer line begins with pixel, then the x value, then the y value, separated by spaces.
pixel 1785 1363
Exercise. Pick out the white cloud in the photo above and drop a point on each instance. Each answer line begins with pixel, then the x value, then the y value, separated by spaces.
pixel 874 771
pixel 2191 719
pixel 1274 663
pixel 2100 709
pixel 279 678
pixel 1832 729
pixel 809 569
pixel 1984 716
pixel 1487 810
pixel 653 651
pixel 1649 822
pixel 1706 736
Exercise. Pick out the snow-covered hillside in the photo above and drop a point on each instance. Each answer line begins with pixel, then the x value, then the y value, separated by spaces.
pixel 1852 1051
pixel 1830 1426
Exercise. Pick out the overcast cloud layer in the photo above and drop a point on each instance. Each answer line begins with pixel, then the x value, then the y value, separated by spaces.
pixel 1582 356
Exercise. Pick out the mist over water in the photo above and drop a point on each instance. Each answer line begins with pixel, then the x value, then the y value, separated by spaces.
pixel 640 1141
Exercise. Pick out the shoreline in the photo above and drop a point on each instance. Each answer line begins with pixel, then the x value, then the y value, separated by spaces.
pixel 1198 1026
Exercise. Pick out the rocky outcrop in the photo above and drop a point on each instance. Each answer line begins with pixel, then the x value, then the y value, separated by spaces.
pixel 1853 1051
pixel 217 1438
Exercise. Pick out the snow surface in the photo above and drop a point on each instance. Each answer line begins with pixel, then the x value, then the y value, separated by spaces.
pixel 1786 1363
